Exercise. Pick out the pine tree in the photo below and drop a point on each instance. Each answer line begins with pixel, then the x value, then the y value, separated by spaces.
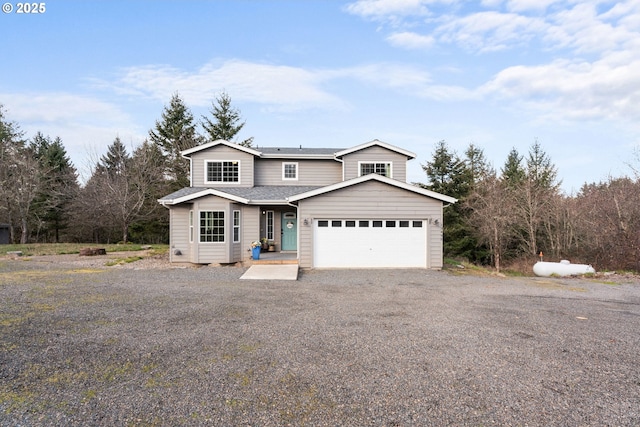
pixel 175 133
pixel 513 173
pixel 115 161
pixel 225 124
pixel 59 186
pixel 448 175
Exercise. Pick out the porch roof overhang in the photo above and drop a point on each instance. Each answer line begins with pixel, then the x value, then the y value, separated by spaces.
pixel 259 195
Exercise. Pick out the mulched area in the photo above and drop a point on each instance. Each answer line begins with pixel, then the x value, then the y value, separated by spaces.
pixel 85 344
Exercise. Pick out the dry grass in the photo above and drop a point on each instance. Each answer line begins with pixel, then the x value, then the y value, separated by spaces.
pixel 36 249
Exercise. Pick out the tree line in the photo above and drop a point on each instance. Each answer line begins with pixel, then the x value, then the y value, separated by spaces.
pixel 42 200
pixel 515 213
pixel 520 213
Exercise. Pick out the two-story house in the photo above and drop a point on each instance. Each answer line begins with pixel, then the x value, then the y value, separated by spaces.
pixel 333 207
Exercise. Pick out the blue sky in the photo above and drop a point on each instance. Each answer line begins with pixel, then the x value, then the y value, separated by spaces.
pixel 496 73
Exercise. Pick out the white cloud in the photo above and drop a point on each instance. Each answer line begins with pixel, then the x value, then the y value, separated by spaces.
pixel 61 108
pixel 409 40
pixel 489 31
pixel 85 125
pixel 528 5
pixel 276 86
pixel 379 9
pixel 573 90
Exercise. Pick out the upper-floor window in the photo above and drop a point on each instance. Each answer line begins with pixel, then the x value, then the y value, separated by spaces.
pixel 289 171
pixel 383 168
pixel 222 171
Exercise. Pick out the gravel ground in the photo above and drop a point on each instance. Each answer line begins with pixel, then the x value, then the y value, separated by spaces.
pixel 143 344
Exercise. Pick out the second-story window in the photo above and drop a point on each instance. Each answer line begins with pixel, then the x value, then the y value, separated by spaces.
pixel 383 169
pixel 289 171
pixel 222 171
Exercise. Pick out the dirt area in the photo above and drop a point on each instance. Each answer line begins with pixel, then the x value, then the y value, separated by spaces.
pixel 145 344
pixel 137 260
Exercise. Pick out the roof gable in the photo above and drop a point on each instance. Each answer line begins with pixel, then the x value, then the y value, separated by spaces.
pixel 378 143
pixel 188 152
pixel 373 177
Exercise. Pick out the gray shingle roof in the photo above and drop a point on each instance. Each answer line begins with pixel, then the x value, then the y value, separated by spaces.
pixel 274 193
pixel 302 151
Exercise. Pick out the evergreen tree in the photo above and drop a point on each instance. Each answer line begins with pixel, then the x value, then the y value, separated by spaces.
pixel 477 165
pixel 513 173
pixel 446 172
pixel 115 161
pixel 59 186
pixel 225 124
pixel 540 170
pixel 175 133
pixel 448 175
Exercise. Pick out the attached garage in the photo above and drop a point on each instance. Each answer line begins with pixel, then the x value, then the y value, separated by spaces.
pixel 370 222
pixel 370 243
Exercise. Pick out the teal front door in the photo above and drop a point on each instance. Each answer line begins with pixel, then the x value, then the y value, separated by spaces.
pixel 289 232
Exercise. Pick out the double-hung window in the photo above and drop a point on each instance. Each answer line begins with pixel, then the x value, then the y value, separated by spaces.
pixel 380 168
pixel 222 171
pixel 236 226
pixel 270 225
pixel 212 226
pixel 290 171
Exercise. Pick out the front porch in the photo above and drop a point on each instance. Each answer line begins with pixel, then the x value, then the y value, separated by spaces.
pixel 271 258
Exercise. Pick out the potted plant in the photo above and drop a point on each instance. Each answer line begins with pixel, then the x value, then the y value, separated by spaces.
pixel 272 246
pixel 255 249
pixel 265 243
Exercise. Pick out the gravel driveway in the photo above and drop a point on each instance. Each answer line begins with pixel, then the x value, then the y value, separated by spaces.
pixel 196 346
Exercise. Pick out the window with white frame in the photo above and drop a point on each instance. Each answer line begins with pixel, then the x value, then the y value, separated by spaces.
pixel 212 226
pixel 380 168
pixel 190 226
pixel 236 226
pixel 290 171
pixel 270 225
pixel 222 171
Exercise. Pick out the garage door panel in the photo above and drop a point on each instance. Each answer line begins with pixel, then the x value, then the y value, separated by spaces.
pixel 370 243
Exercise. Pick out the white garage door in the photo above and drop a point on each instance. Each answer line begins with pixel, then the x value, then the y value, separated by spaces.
pixel 370 243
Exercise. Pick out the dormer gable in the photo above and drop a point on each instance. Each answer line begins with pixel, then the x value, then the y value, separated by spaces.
pixel 409 155
pixel 221 163
pixel 190 151
pixel 375 157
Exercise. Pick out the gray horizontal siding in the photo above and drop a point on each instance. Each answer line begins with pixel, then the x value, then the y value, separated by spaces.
pixel 371 200
pixel 310 172
pixel 221 152
pixel 379 155
pixel 179 228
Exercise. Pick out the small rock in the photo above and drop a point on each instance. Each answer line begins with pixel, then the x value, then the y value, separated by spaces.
pixel 93 251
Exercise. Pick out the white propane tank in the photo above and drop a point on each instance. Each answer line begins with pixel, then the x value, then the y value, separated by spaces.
pixel 562 269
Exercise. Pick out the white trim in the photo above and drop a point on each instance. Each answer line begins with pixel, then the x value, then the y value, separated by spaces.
pixel 224 233
pixel 190 151
pixel 205 192
pixel 409 154
pixel 206 174
pixel 374 162
pixel 284 165
pixel 273 225
pixel 234 226
pixel 374 177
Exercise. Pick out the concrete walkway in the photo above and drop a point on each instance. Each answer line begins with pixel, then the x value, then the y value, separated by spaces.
pixel 272 272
